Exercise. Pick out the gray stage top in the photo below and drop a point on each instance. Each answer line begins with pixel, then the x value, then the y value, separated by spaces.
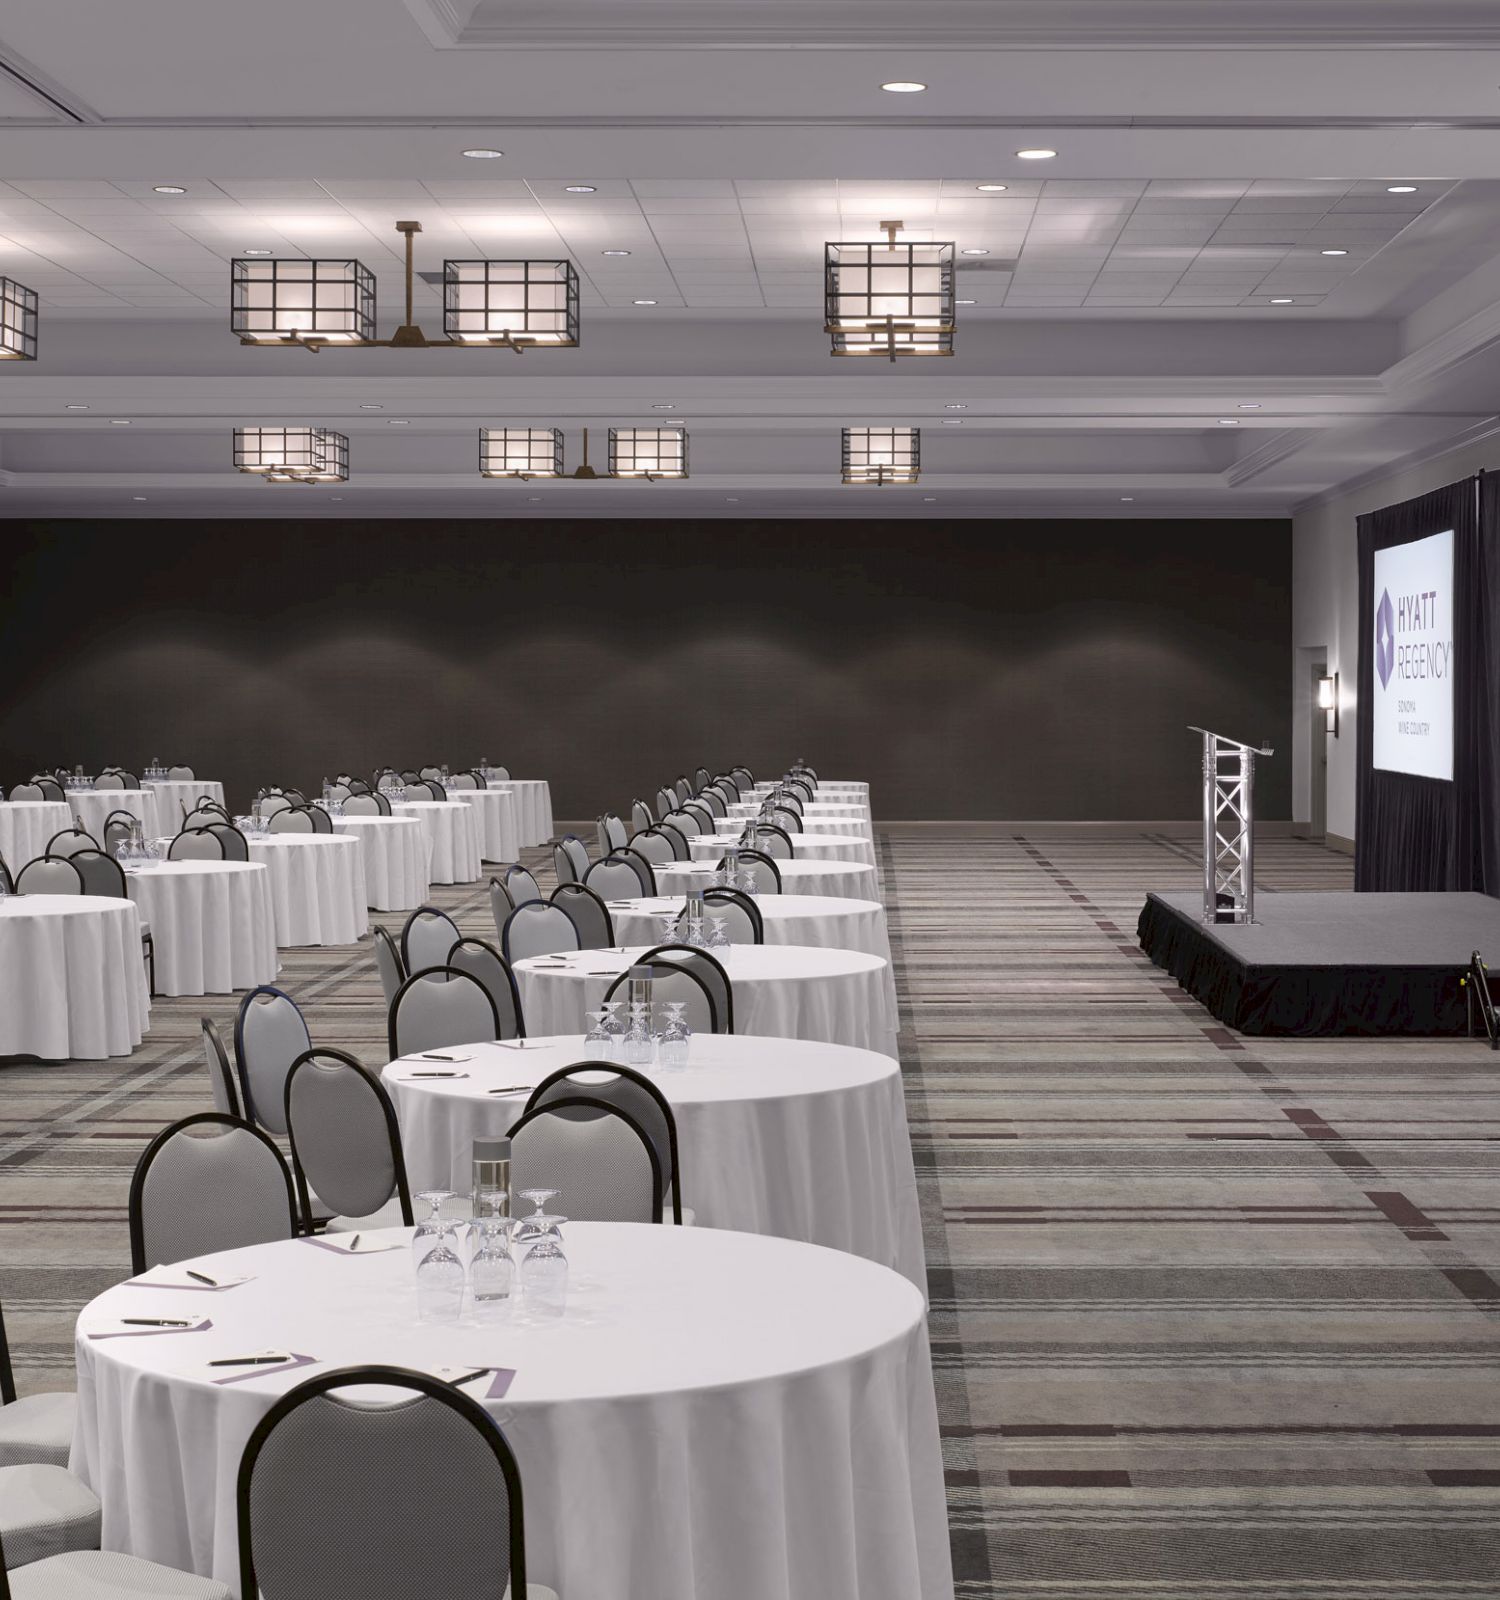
pixel 1337 930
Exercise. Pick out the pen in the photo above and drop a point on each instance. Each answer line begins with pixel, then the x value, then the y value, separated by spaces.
pixel 434 1074
pixel 469 1377
pixel 251 1361
pixel 354 1244
pixel 510 1088
pixel 202 1278
pixel 153 1322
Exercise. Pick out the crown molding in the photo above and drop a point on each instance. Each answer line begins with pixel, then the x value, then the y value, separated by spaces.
pixel 1475 433
pixel 1448 350
pixel 1265 456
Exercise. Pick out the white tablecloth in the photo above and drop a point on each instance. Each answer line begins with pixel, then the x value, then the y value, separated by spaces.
pixel 847 879
pixel 172 794
pixel 533 807
pixel 828 788
pixel 453 829
pixel 800 1140
pixel 93 806
pixel 212 924
pixel 805 847
pixel 317 886
pixel 26 827
pixel 499 827
pixel 397 851
pixel 780 991
pixel 72 977
pixel 823 921
pixel 730 827
pixel 713 1415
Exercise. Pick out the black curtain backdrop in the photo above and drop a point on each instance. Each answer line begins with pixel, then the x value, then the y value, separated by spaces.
pixel 1424 833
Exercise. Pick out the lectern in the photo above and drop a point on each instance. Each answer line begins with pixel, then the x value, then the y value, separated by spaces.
pixel 1228 827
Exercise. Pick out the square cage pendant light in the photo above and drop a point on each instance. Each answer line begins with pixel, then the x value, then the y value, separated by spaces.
pixel 18 319
pixel 648 452
pixel 287 301
pixel 893 299
pixel 882 455
pixel 511 302
pixel 520 452
pixel 293 455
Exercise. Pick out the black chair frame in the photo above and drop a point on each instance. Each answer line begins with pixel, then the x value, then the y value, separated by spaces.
pixel 449 975
pixel 584 1102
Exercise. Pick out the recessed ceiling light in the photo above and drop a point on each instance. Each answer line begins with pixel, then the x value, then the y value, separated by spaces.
pixel 974 252
pixel 732 500
pixel 664 405
pixel 578 188
pixel 953 422
pixel 966 302
pixel 1229 422
pixel 168 188
pixel 1035 155
pixel 140 497
pixel 1249 405
pixel 257 252
pixel 614 252
pixel 643 302
pixel 1282 300
pixel 1401 188
pixel 929 498
pixel 1126 499
pixel 75 408
pixel 1333 252
pixel 535 499
pixel 371 408
pixel 398 422
pixel 119 422
pixel 955 405
pixel 336 498
pixel 484 155
pixel 992 188
pixel 903 86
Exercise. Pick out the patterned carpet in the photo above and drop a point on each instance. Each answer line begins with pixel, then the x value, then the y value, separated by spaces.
pixel 1211 1317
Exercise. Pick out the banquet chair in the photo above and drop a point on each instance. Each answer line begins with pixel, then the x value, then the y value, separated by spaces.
pixel 578 855
pixel 7 882
pixel 654 846
pixel 338 791
pixel 36 1430
pixel 681 849
pixel 612 834
pixel 221 1080
pixel 191 1196
pixel 180 774
pixel 785 817
pixel 102 875
pixel 118 826
pixel 537 929
pixel 439 1007
pixel 683 788
pixel 128 778
pixel 365 805
pixel 678 983
pixel 665 801
pixel 110 780
pixel 713 803
pixel 501 904
pixel 70 841
pixel 502 774
pixel 460 1530
pixel 45 1514
pixel 295 797
pixel 484 962
pixel 272 804
pixel 686 823
pixel 808 772
pixel 102 1575
pixel 426 938
pixel 594 1154
pixel 703 814
pixel 463 780
pixel 727 787
pixel 801 789
pixel 767 873
pixel 204 814
pixel 389 965
pixel 562 865
pixel 49 875
pixel 703 966
pixel 31 792
pixel 622 876
pixel 701 777
pixel 51 787
pixel 357 786
pixel 236 845
pixel 346 1144
pixel 641 816
pixel 321 821
pixel 628 1091
pixel 775 842
pixel 197 844
pixel 292 819
pixel 385 778
pixel 410 776
pixel 587 912
pixel 742 919
pixel 430 772
pixel 521 886
pixel 744 778
pixel 790 802
pixel 426 789
pixel 270 1032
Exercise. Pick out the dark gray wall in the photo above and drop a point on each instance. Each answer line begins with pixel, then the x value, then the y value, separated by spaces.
pixel 968 669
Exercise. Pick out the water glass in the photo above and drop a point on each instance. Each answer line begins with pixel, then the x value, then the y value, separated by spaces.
pixel 675 1035
pixel 718 933
pixel 694 936
pixel 614 1026
pixel 640 1045
pixel 544 1271
pixel 440 1285
pixel 668 921
pixel 432 1230
pixel 492 1272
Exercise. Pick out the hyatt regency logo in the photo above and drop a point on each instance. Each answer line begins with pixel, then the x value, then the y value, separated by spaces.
pixel 1385 639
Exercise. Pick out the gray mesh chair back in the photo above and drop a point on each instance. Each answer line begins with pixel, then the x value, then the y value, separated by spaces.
pixel 294 819
pixel 388 964
pixel 676 983
pixel 502 774
pixel 801 789
pixel 701 777
pixel 27 791
pixel 361 805
pixel 8 884
pixel 109 780
pixel 236 845
pixel 703 966
pixel 666 801
pixel 462 780
pixel 615 835
pixel 537 929
pixel 197 844
pixel 641 817
pixel 682 788
pixel 484 961
pixel 501 904
pixel 49 875
pixel 713 801
pixel 102 875
pixel 346 1144
pixel 627 1091
pixel 767 875
pixel 439 1007
pixel 269 1034
pixel 357 786
pixel 793 802
pixel 588 914
pixel 602 1165
pixel 321 821
pixel 578 854
pixel 743 777
pixel 742 919
pixel 193 1194
pixel 271 804
pixel 774 841
pixel 562 865
pixel 654 846
pixel 70 841
pixel 180 774
pixel 687 823
pixel 51 788
pixel 118 826
pixel 427 938
pixel 428 1495
pixel 785 817
pixel 202 816
pixel 424 773
pixel 681 849
pixel 433 788
pixel 521 886
pixel 615 878
pixel 728 789
pixel 701 814
pixel 226 1091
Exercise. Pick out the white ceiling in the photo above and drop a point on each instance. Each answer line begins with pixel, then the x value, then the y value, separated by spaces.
pixel 1208 154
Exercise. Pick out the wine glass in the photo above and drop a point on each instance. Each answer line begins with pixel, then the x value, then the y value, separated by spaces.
pixel 440 1284
pixel 596 1042
pixel 544 1271
pixel 668 921
pixel 615 1028
pixel 718 933
pixel 675 1035
pixel 694 937
pixel 640 1047
pixel 492 1272
pixel 432 1229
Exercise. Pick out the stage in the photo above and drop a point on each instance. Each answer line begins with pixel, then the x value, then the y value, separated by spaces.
pixel 1323 965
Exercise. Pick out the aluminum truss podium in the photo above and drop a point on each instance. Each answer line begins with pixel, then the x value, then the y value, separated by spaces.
pixel 1228 827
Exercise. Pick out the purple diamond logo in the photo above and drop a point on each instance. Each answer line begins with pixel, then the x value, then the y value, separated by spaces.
pixel 1385 639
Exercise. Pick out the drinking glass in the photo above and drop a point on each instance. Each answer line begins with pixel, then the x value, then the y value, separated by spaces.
pixel 596 1042
pixel 675 1035
pixel 718 933
pixel 544 1271
pixel 432 1230
pixel 440 1285
pixel 530 1229
pixel 492 1272
pixel 640 1047
pixel 694 937
pixel 615 1028
pixel 668 921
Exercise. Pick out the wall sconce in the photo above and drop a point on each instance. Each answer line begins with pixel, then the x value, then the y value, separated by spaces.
pixel 1328 703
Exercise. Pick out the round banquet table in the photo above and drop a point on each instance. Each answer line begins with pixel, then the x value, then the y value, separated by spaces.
pixel 176 796
pixel 26 826
pixel 805 847
pixel 213 925
pixel 396 852
pixel 823 785
pixel 851 819
pixel 826 921
pixel 729 827
pixel 93 806
pixel 499 831
pixel 710 1413
pixel 799 1140
pixel 850 880
pixel 317 886
pixel 453 829
pixel 780 991
pixel 72 977
pixel 533 798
